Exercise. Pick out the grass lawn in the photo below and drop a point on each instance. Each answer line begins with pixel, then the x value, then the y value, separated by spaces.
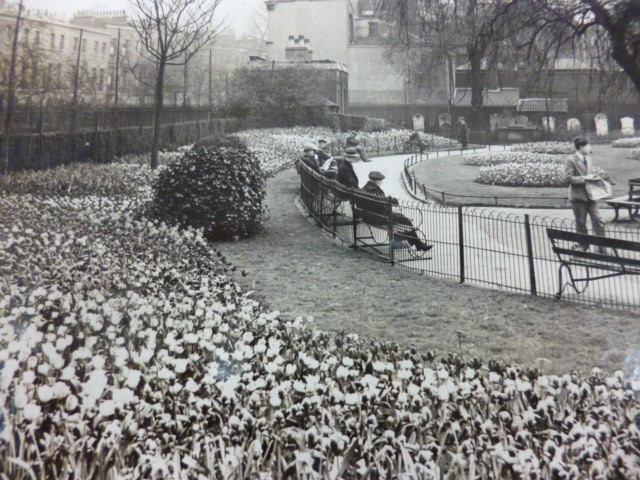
pixel 448 174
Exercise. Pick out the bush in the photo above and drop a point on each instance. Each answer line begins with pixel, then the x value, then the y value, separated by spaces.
pixel 544 147
pixel 219 188
pixel 498 158
pixel 219 141
pixel 527 174
pixel 629 142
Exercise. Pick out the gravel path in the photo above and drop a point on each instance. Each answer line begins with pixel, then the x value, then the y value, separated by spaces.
pixel 296 268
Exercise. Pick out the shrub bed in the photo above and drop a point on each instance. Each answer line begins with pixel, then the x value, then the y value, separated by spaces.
pixel 527 174
pixel 498 158
pixel 545 147
pixel 629 142
pixel 128 353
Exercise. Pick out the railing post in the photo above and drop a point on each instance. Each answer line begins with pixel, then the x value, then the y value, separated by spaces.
pixel 443 199
pixel 532 268
pixel 461 242
pixel 424 191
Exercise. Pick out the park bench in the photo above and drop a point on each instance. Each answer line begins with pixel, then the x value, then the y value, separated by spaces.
pixel 376 232
pixel 621 258
pixel 630 201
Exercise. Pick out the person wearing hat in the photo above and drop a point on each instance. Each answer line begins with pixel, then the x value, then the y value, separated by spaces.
pixel 323 156
pixel 354 142
pixel 463 132
pixel 380 212
pixel 346 175
pixel 310 158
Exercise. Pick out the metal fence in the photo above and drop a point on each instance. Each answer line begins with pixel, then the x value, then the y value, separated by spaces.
pixel 471 245
pixel 424 192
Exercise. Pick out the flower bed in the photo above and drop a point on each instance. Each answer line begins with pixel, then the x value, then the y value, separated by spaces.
pixel 629 142
pixel 128 353
pixel 498 158
pixel 527 175
pixel 544 147
pixel 635 154
pixel 393 140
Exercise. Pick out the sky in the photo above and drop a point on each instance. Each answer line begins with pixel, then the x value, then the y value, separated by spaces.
pixel 239 13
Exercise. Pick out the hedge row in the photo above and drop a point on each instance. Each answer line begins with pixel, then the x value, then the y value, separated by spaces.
pixel 34 152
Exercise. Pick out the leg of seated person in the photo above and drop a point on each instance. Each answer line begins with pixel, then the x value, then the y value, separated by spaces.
pixel 409 234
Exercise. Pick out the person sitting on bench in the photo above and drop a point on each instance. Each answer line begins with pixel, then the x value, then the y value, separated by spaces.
pixel 416 141
pixel 376 213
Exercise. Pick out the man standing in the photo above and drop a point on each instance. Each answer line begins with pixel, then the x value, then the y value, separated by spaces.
pixel 577 172
pixel 463 132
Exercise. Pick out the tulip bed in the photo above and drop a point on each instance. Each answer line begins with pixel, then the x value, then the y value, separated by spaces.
pixel 629 142
pixel 498 158
pixel 127 352
pixel 527 174
pixel 544 147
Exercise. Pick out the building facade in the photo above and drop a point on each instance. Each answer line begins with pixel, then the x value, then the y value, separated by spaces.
pixel 349 32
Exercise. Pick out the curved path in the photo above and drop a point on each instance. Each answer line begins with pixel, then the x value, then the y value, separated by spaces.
pixel 294 267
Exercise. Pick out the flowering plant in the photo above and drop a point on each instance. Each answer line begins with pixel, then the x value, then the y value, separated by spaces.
pixel 527 174
pixel 544 147
pixel 627 142
pixel 497 158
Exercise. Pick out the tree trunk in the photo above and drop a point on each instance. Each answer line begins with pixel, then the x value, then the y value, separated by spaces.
pixel 477 83
pixel 4 151
pixel 157 115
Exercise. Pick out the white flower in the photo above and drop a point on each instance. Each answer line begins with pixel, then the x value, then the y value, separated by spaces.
pixel 107 408
pixel 32 412
pixel 181 365
pixel 191 386
pixel 45 393
pixel 352 398
pixel 122 396
pixel 191 338
pixel 342 372
pixel 28 377
pixel 61 390
pixel 20 399
pixel 71 403
pixel 133 378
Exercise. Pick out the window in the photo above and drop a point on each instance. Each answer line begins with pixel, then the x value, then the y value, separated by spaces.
pixel 84 45
pixel 104 48
pixel 374 29
pixel 95 46
pixel 101 81
pixel 75 44
pixel 61 42
pixel 53 40
pixel 26 36
pixel 112 49
pixel 94 75
pixel 37 38
pixel 125 50
pixel 59 74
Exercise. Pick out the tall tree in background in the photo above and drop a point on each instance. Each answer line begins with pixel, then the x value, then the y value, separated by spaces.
pixel 432 30
pixel 170 33
pixel 4 151
pixel 596 30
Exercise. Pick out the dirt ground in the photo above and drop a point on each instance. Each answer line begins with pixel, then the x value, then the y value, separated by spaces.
pixel 296 268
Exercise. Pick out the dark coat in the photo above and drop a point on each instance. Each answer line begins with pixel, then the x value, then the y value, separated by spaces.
pixel 346 175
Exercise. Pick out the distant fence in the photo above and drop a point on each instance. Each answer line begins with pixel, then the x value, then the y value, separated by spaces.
pixel 423 192
pixel 32 119
pixel 401 114
pixel 471 245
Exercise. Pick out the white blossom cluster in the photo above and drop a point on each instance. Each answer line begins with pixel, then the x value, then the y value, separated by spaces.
pixel 527 174
pixel 544 147
pixel 497 158
pixel 627 142
pixel 125 352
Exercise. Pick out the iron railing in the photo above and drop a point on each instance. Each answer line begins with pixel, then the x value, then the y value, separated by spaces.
pixel 423 192
pixel 471 245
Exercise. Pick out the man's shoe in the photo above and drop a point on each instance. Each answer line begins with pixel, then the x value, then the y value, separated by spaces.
pixel 424 247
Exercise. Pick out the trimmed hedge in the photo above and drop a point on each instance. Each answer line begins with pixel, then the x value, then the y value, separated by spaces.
pixel 34 152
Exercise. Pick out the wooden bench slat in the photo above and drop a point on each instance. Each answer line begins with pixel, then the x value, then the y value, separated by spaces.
pixel 585 239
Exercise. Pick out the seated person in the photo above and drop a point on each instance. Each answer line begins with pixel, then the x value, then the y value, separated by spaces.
pixel 379 212
pixel 345 173
pixel 354 142
pixel 330 168
pixel 415 141
pixel 309 157
pixel 321 153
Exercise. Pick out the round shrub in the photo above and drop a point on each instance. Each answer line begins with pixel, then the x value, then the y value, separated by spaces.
pixel 219 188
pixel 219 141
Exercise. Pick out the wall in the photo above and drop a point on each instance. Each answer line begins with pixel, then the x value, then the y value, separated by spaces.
pixel 324 22
pixel 372 79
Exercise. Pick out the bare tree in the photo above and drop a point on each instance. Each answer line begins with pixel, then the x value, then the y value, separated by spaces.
pixel 598 29
pixel 430 31
pixel 170 33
